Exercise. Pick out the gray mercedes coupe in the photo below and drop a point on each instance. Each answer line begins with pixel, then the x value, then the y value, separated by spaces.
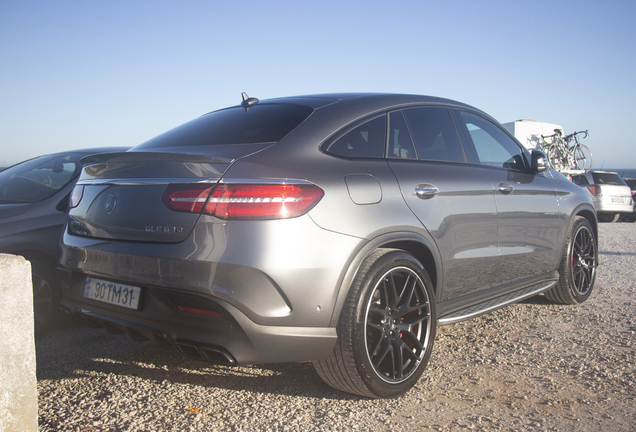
pixel 340 229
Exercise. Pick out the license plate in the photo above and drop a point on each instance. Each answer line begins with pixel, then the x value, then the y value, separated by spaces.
pixel 620 200
pixel 112 293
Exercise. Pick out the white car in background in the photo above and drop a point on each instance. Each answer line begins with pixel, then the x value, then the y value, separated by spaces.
pixel 609 192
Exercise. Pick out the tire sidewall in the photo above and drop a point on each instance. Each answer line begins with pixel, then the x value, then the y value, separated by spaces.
pixel 40 270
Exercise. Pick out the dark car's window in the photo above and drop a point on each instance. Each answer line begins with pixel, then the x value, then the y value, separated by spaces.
pixel 580 180
pixel 631 183
pixel 608 179
pixel 258 124
pixel 37 179
pixel 434 134
pixel 400 143
pixel 366 140
pixel 493 146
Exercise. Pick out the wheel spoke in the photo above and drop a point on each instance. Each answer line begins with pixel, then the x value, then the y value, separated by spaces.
pixel 415 341
pixel 391 294
pixel 377 309
pixel 39 286
pixel 398 361
pixel 376 349
pixel 407 292
pixel 380 357
pixel 422 312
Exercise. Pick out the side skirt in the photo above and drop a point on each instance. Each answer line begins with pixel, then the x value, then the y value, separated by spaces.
pixel 453 314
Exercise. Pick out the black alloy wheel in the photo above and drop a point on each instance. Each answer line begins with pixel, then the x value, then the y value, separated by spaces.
pixel 397 325
pixel 578 265
pixel 583 253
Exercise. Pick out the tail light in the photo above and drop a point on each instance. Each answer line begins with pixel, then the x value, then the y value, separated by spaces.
pixel 187 198
pixel 595 190
pixel 76 196
pixel 244 201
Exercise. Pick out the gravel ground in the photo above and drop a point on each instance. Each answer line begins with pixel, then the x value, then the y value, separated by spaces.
pixel 530 366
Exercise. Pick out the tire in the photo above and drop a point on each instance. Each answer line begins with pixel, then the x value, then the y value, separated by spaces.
pixel 386 328
pixel 46 296
pixel 578 266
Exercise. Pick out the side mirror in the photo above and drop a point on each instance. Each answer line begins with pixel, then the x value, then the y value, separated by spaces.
pixel 538 161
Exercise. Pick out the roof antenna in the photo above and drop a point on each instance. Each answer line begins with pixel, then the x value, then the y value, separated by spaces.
pixel 248 101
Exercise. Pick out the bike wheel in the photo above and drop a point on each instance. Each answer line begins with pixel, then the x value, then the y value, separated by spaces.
pixel 554 157
pixel 583 157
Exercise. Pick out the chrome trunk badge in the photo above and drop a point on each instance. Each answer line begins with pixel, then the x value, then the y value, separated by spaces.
pixel 111 203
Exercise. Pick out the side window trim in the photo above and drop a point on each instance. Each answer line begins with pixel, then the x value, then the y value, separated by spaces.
pixel 388 134
pixel 462 141
pixel 469 148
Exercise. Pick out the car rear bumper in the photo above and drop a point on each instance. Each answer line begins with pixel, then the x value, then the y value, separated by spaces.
pixel 223 336
pixel 234 293
pixel 606 204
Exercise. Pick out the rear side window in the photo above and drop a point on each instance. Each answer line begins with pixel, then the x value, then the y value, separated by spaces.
pixel 258 124
pixel 434 134
pixel 363 141
pixel 608 179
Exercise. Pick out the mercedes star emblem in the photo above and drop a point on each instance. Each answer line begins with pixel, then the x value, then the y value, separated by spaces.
pixel 111 202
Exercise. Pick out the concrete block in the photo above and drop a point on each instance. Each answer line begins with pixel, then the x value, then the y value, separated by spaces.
pixel 18 383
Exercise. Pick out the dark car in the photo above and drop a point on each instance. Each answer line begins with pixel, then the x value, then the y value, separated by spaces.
pixel 340 229
pixel 33 204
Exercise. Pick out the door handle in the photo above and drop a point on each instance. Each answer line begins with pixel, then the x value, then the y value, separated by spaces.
pixel 506 188
pixel 426 191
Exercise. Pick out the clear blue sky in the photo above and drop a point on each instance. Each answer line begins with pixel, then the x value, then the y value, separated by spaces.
pixel 77 74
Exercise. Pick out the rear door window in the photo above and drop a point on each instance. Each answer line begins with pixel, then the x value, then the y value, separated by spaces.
pixel 434 134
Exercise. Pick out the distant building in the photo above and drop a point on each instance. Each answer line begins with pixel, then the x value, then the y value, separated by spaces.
pixel 529 132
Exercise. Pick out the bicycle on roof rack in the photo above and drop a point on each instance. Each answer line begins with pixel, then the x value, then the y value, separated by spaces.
pixel 565 157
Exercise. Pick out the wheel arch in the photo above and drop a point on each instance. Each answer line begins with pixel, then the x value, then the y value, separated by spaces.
pixel 423 248
pixel 587 213
pixel 590 215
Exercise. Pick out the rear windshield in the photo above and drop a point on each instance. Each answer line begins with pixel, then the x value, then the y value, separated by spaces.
pixel 259 124
pixel 38 179
pixel 607 178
